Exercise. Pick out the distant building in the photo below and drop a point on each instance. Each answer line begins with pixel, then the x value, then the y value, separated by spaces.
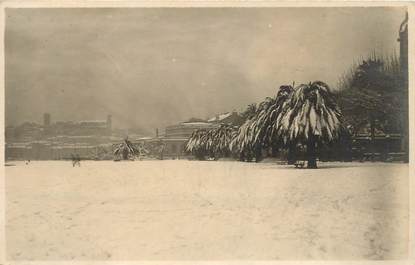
pixel 17 151
pixel 176 136
pixel 57 140
pixel 9 133
pixel 185 129
pixel 83 128
pixel 48 150
pixel 193 119
pixel 28 131
pixel 226 118
pixel 92 127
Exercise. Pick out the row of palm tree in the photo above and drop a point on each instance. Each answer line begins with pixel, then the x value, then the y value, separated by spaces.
pixel 213 143
pixel 306 115
pixel 259 130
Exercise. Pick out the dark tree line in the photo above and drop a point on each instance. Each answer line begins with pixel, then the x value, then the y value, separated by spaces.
pixel 372 96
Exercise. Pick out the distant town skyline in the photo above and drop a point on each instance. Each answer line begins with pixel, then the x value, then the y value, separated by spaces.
pixel 153 67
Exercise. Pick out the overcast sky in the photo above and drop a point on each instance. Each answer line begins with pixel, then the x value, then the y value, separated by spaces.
pixel 151 67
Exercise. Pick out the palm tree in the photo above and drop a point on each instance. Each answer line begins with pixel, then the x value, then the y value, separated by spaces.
pixel 249 112
pixel 197 144
pixel 221 138
pixel 259 131
pixel 242 142
pixel 310 117
pixel 214 143
pixel 265 130
pixel 126 149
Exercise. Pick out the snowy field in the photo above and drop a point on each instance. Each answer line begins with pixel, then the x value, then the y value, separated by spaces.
pixel 190 210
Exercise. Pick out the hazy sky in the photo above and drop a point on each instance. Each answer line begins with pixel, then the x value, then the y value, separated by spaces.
pixel 152 67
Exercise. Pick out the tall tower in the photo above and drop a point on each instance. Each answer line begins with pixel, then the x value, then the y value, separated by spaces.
pixel 46 119
pixel 109 124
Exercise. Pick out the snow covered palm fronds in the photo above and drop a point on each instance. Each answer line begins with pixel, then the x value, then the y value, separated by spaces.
pixel 261 129
pixel 214 142
pixel 197 141
pixel 243 138
pixel 311 112
pixel 271 109
pixel 142 150
pixel 307 114
pixel 222 138
pixel 127 149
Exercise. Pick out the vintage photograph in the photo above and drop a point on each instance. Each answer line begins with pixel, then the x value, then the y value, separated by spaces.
pixel 206 133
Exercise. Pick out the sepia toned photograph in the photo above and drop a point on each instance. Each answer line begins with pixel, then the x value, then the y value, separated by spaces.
pixel 206 133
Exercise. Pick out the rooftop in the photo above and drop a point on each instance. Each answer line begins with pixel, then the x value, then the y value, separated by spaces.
pixel 220 117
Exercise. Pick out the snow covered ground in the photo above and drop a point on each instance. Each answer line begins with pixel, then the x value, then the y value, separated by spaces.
pixel 190 210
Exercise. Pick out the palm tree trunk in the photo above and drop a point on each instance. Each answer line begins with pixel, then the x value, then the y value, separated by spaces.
pixel 242 156
pixel 248 156
pixel 274 150
pixel 258 153
pixel 311 153
pixel 292 154
pixel 125 154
